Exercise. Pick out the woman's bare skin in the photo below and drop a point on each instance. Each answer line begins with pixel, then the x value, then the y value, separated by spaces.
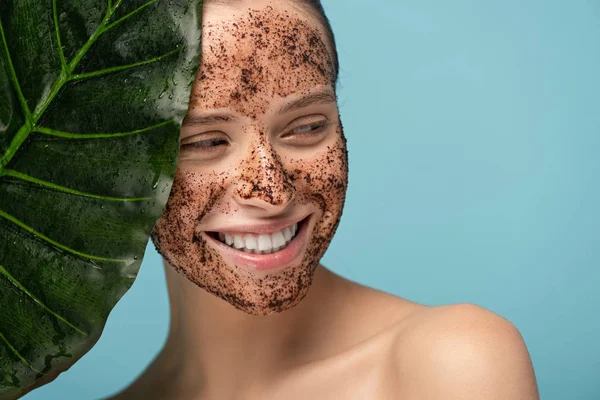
pixel 365 344
pixel 302 332
pixel 337 322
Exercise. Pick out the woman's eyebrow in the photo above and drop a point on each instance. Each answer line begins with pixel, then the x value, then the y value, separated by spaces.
pixel 207 119
pixel 322 97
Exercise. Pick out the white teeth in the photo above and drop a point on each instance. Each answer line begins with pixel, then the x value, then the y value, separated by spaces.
pixel 260 244
pixel 250 242
pixel 287 234
pixel 278 239
pixel 264 242
pixel 238 242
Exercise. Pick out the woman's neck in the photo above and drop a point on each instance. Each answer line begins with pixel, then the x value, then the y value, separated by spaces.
pixel 213 346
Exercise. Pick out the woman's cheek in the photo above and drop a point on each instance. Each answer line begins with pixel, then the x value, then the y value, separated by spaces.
pixel 332 182
pixel 174 231
pixel 324 181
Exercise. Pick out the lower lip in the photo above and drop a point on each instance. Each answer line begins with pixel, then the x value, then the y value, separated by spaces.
pixel 267 262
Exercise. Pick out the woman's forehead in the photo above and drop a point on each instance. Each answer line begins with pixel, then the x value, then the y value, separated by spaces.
pixel 256 55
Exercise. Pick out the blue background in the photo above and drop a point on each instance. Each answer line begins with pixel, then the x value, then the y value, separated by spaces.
pixel 474 139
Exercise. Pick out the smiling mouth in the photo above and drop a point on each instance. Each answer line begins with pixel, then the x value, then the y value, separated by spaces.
pixel 260 243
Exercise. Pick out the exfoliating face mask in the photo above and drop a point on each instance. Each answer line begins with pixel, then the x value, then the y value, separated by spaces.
pixel 251 172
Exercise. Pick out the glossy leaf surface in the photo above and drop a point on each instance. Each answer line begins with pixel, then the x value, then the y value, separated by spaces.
pixel 92 95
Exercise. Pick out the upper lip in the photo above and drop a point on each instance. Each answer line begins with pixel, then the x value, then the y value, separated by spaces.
pixel 265 227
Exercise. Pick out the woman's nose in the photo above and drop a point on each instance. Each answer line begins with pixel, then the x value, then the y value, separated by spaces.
pixel 263 180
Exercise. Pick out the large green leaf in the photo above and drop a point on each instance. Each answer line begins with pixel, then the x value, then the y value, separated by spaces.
pixel 92 95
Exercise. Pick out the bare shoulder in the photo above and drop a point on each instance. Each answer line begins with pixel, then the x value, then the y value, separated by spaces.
pixel 460 351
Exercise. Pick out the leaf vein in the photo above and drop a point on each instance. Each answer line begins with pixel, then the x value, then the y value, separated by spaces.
pixel 117 22
pixel 61 54
pixel 53 242
pixel 10 346
pixel 13 74
pixel 19 138
pixel 70 135
pixel 64 76
pixel 64 189
pixel 18 284
pixel 124 67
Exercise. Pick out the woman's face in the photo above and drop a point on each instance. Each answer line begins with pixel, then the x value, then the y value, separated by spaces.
pixel 262 152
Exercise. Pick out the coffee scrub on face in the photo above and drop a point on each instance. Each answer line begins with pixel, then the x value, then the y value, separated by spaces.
pixel 252 64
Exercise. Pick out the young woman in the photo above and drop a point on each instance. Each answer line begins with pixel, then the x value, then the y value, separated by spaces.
pixel 257 197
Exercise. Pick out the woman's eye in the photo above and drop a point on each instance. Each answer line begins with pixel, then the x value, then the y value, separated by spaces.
pixel 204 145
pixel 308 129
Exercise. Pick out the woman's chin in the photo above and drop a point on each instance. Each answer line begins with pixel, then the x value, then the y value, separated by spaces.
pixel 268 298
